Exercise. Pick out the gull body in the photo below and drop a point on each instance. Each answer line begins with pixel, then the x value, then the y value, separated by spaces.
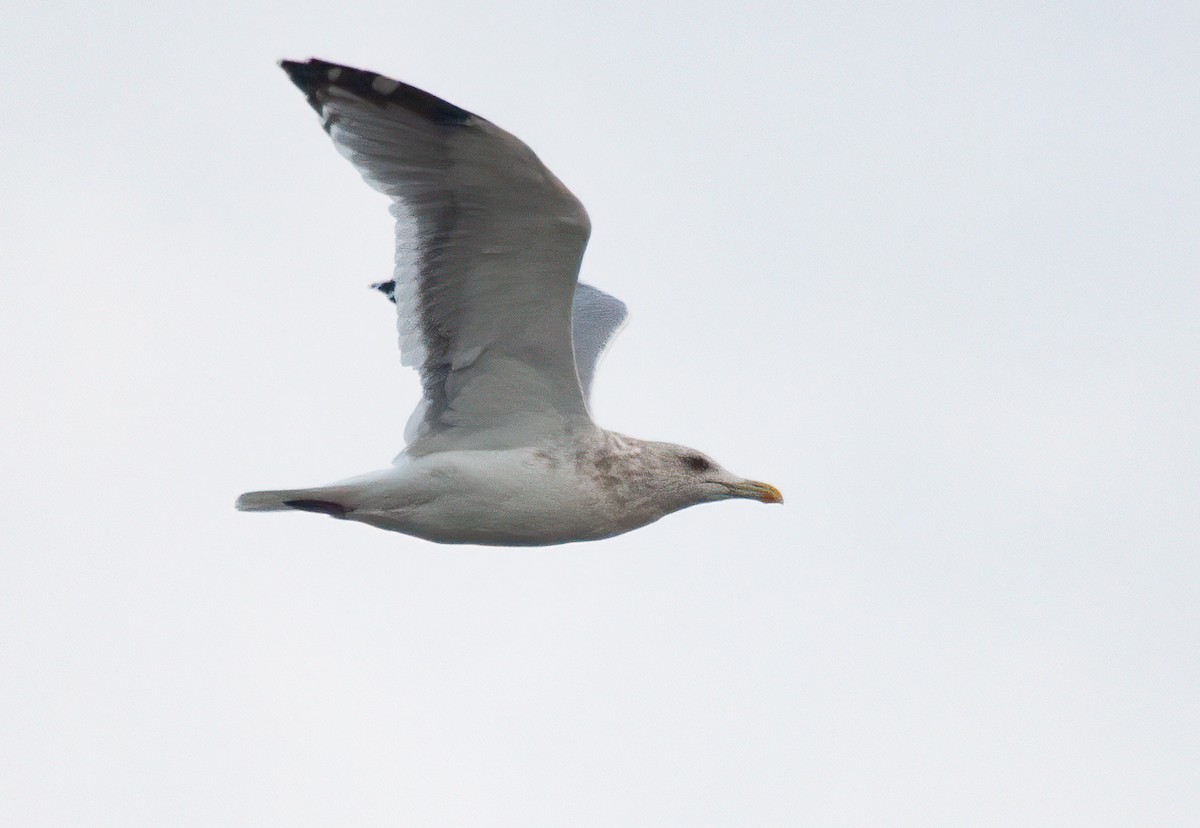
pixel 502 449
pixel 588 487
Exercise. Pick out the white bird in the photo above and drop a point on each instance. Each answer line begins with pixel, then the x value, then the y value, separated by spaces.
pixel 502 449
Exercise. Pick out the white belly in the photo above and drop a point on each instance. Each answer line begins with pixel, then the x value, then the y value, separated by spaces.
pixel 512 497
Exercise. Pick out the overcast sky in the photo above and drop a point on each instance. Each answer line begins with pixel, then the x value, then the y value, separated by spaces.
pixel 930 270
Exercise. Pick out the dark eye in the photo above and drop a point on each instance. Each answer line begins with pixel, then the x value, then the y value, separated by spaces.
pixel 696 463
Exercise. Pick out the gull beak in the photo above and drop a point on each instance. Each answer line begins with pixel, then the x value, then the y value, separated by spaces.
pixel 763 492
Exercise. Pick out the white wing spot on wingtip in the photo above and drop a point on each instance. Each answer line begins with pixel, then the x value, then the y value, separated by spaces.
pixel 335 73
pixel 384 86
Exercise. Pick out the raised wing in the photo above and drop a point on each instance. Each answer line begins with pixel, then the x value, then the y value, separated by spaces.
pixel 596 318
pixel 488 246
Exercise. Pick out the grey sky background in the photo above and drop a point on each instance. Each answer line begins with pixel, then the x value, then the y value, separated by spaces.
pixel 931 270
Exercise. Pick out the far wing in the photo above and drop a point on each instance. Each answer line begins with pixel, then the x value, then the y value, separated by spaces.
pixel 596 319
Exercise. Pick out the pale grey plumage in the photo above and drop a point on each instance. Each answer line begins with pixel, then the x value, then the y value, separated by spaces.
pixel 596 319
pixel 502 448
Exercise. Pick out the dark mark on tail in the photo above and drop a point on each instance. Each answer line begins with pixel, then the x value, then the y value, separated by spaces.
pixel 325 507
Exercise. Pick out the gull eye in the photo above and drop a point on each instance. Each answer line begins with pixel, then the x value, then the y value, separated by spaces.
pixel 696 463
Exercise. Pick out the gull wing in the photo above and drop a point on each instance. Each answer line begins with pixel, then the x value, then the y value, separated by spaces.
pixel 488 247
pixel 596 319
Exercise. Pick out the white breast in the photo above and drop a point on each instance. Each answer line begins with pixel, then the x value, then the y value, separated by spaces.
pixel 525 496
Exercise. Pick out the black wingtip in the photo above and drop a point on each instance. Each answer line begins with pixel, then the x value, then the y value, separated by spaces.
pixel 315 75
pixel 309 75
pixel 388 289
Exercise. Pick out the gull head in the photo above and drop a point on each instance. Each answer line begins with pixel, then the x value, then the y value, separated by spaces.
pixel 695 477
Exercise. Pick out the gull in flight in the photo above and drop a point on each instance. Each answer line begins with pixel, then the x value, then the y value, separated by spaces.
pixel 502 449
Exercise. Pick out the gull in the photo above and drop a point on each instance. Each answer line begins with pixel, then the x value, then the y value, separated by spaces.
pixel 502 449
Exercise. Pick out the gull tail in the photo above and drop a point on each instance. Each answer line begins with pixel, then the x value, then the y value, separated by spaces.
pixel 285 500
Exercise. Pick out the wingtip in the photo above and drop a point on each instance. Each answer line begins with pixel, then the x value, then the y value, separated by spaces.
pixel 314 75
pixel 308 74
pixel 387 288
